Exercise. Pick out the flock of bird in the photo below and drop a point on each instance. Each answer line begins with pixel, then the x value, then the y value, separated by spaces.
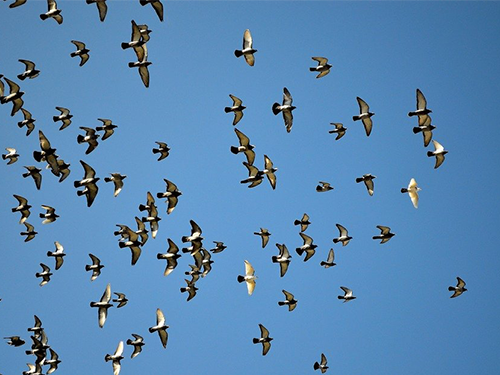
pixel 135 239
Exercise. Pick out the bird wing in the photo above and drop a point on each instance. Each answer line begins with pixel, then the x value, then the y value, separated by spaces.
pixel 89 171
pixel 95 260
pixel 250 155
pixel 288 295
pixel 265 347
pixel 51 5
pixel 460 283
pixel 320 60
pixel 437 146
pixel 264 333
pixel 163 337
pixel 331 256
pixel 265 240
pixel 158 7
pixel 144 73
pixel 172 202
pixel 347 291
pixel 116 367
pixel 119 349
pixel 427 134
pixel 323 360
pixel 236 101
pixel 283 268
pixel 195 228
pixel 59 247
pixel 250 59
pixel 247 39
pixel 414 198
pixel 384 230
pixel 421 102
pixel 238 115
pixel 288 118
pixel 171 187
pixel 369 185
pixel 102 315
pixel 368 124
pixel 243 139
pixel 136 253
pixel 363 107
pixel 79 45
pixel 424 120
pixel 103 9
pixel 14 87
pixel 412 184
pixel 136 32
pixel 342 230
pixel 92 190
pixel 160 318
pixel 22 201
pixel 307 240
pixel 107 294
pixel 250 286
pixel 30 65
pixel 323 73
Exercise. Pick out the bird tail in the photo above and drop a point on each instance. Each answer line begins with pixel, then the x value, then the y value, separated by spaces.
pixel 274 259
pixel 240 279
pixel 275 108
pixel 183 290
pixel 89 1
pixel 43 17
pixel 21 77
pixel 184 239
pixel 87 268
pixel 227 109
pixel 335 240
pixel 234 149
pixel 125 45
pixel 156 151
pixel 80 193
pixel 359 179
pixel 131 65
pixel 316 365
pixel 73 54
pixel 430 154
pixel 49 253
pixel 159 256
pixel 312 69
pixel 80 138
pixel 42 216
pixel 281 303
pixel 355 118
pixel 411 114
pixel 299 251
pixel 238 53
pixel 122 245
pixel 107 357
pixel 129 342
pixel 340 297
pixel 404 190
pixel 451 289
pixel 25 175
pixel 142 207
pixel 37 155
pixel 296 222
pixel 255 341
pixel 151 330
pixel 107 179
pixel 416 130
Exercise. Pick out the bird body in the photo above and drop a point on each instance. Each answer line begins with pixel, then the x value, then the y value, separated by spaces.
pixel 344 236
pixel 412 191
pixel 247 51
pixel 459 289
pixel 249 277
pixel 323 67
pixel 286 109
pixel 103 305
pixel 264 339
pixel 439 152
pixel 237 108
pixel 283 258
pixel 364 115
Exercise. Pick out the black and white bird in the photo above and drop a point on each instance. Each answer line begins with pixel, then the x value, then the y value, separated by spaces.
pixel 425 127
pixel 247 51
pixel 137 343
pixel 347 294
pixel 171 256
pixel 142 63
pixel 11 154
pixel 329 260
pixel 157 6
pixel 322 365
pixel 304 222
pixel 172 194
pixel 344 236
pixel 190 289
pixel 50 215
pixel 249 277
pixel 45 274
pixel 120 299
pixel 141 231
pixel 107 126
pixel 339 130
pixel 58 254
pixel 323 187
pixel 34 369
pixel 459 289
pixel 136 38
pixel 23 207
pixel 412 191
pixel 145 31
pixel 237 108
pixel 117 180
pixel 15 341
pixel 53 362
pixel 17 3
pixel 52 12
pixel 290 301
pixel 131 240
pixel 64 117
pixel 89 181
pixel 385 234
pixel 81 50
pixel 95 267
pixel 269 170
pixel 30 71
pixel 364 115
pixel 29 232
pixel 37 328
pixel 244 147
pixel 219 247
pixel 47 153
pixel 255 176
pixel 368 180
pixel 264 235
pixel 162 149
pixel 116 358
pixel 103 305
pixel 28 121
pixel 323 67
pixel 63 169
pixel 153 219
pixel 14 97
pixel 283 258
pixel 421 106
pixel 264 339
pixel 160 327
pixel 308 247
pixel 439 152
pixel 102 7
pixel 286 108
pixel 34 172
pixel 90 138
pixel 195 233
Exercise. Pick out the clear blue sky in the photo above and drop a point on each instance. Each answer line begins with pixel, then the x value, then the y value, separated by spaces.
pixel 402 322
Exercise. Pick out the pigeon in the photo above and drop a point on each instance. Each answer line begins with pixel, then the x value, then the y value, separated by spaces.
pixel 439 152
pixel 304 222
pixel 283 258
pixel 162 149
pixel 308 247
pixel 135 39
pixel 28 121
pixel 34 172
pixel 63 169
pixel 339 130
pixel 37 329
pixel 329 260
pixel 150 203
pixel 95 267
pixel 249 277
pixel 385 234
pixel 45 274
pixel 364 115
pixel 219 247
pixel 152 219
pixel 64 117
pixel 14 96
pixel 58 254
pixel 269 171
pixel 23 208
pixel 117 180
pixel 53 12
pixel 116 358
pixel 264 339
pixel 323 67
pixel 190 288
pixel 29 233
pixel 421 106
pixel 247 50
pixel 459 289
pixel 90 138
pixel 35 369
pixel 286 108
pixel 290 301
pixel 137 343
pixel 141 51
pixel 81 50
pixel 412 191
pixel 107 126
pixel 344 237
pixel 103 305
pixel 195 233
pixel 347 294
pixel 160 327
pixel 50 216
pixel 47 154
pixel 205 260
pixel 17 3
pixel 144 30
pixel 172 194
pixel 39 348
pixel 30 71
pixel 195 247
pixel 170 256
pixel 11 154
pixel 133 244
pixel 121 299
pixel 194 273
pixel 53 361
pixel 368 180
pixel 89 181
pixel 102 7
pixel 323 186
pixel 157 6
pixel 264 234
pixel 255 177
pixel 15 341
pixel 237 108
pixel 424 126
pixel 244 147
pixel 141 230
pixel 322 366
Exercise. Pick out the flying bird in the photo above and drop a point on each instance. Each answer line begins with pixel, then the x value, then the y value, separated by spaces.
pixel 28 121
pixel 269 171
pixel 63 169
pixel 459 289
pixel 103 305
pixel 14 96
pixel 107 126
pixel 162 149
pixel 283 258
pixel 439 152
pixel 329 260
pixel 37 328
pixel 322 365
pixel 290 301
pixel 53 12
pixel 137 343
pixel 364 115
pixel 344 237
pixel 53 361
pixel 172 194
pixel 141 51
pixel 286 108
pixel 249 277
pixel 120 299
pixel 347 294
pixel 50 215
pixel 244 147
pixel 117 180
pixel 264 235
pixel 34 172
pixel 11 154
pixel 29 232
pixel 255 176
pixel 264 339
pixel 323 67
pixel 247 50
pixel 17 3
pixel 308 247
pixel 30 71
pixel 219 247
pixel 133 244
pixel 236 108
pixel 323 187
pixel 47 153
pixel 171 256
pixel 116 358
pixel 160 327
pixel 194 273
pixel 339 130
pixel 145 31
pixel 15 341
pixel 81 50
pixel 135 38
pixel 304 222
pixel 157 6
pixel 421 106
pixel 190 288
pixel 90 138
pixel 64 117
pixel 425 127
pixel 412 191
pixel 23 208
pixel 141 230
pixel 89 181
pixel 34 369
pixel 385 234
pixel 368 180
pixel 152 219
pixel 45 274
pixel 195 233
pixel 102 7
pixel 58 254
pixel 95 267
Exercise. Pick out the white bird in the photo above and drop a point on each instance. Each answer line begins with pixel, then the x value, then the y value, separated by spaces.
pixel 116 358
pixel 52 12
pixel 249 277
pixel 329 260
pixel 11 154
pixel 247 50
pixel 344 236
pixel 103 305
pixel 160 327
pixel 412 191
pixel 347 294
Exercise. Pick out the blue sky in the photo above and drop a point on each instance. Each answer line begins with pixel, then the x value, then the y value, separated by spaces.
pixel 402 321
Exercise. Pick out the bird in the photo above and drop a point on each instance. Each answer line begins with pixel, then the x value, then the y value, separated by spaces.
pixel 172 194
pixel 117 180
pixel 322 366
pixel 28 121
pixel 344 237
pixel 157 6
pixel 95 267
pixel 89 181
pixel 269 171
pixel 45 274
pixel 283 258
pixel 385 234
pixel 412 191
pixel 290 301
pixel 11 154
pixel 64 117
pixel 424 126
pixel 29 233
pixel 63 169
pixel 255 176
pixel 53 12
pixel 135 38
pixel 103 305
pixel 39 348
pixel 264 235
pixel 339 130
pixel 364 115
pixel 47 154
pixel 347 294
pixel 247 51
pixel 323 67
pixel 133 244
pixel 264 339
pixel 190 288
pixel 137 343
pixel 152 219
pixel 149 203
pixel 286 108
pixel 459 289
pixel 144 30
pixel 249 277
pixel 30 71
pixel 90 138
pixel 23 208
pixel 141 230
pixel 203 258
pixel 323 187
pixel 50 215
pixel 116 358
pixel 439 152
pixel 15 341
pixel 141 51
pixel 102 7
pixel 304 222
pixel 17 3
pixel 368 180
pixel 160 327
pixel 244 147
pixel 34 369
pixel 171 256
pixel 58 254
pixel 34 172
pixel 121 299
pixel 14 96
pixel 308 247
pixel 81 50
pixel 329 260
pixel 219 247
pixel 421 106
pixel 53 361
pixel 37 328
pixel 236 108
pixel 162 149
pixel 107 126
pixel 195 233
pixel 194 273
